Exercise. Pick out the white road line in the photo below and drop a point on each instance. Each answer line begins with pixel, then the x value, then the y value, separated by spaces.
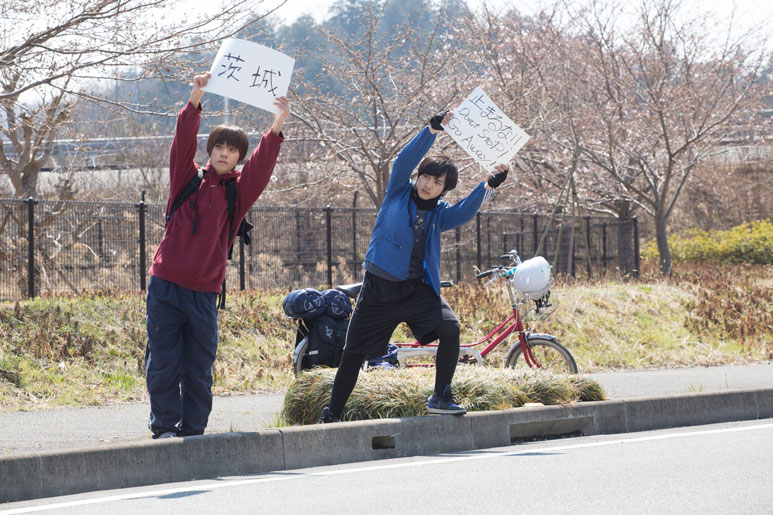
pixel 289 475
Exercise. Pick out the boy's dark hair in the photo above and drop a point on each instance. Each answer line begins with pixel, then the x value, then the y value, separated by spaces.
pixel 230 135
pixel 440 165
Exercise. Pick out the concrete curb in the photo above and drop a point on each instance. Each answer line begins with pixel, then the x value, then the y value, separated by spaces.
pixel 49 474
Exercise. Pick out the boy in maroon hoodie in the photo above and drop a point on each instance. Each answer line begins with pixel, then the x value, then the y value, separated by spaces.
pixel 189 266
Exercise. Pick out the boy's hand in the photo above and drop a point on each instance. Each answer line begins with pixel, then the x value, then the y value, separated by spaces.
pixel 283 112
pixel 199 81
pixel 497 177
pixel 440 118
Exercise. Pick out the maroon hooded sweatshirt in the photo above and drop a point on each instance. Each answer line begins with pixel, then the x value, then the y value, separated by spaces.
pixel 198 261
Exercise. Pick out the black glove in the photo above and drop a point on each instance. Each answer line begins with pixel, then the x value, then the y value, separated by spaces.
pixel 436 120
pixel 495 179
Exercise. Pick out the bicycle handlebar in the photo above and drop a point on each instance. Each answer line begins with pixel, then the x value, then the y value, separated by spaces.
pixel 485 274
pixel 506 272
pixel 500 270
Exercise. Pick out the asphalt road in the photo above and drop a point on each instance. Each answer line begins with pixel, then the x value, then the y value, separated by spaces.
pixel 72 428
pixel 717 469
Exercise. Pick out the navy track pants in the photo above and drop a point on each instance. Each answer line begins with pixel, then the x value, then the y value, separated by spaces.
pixel 182 344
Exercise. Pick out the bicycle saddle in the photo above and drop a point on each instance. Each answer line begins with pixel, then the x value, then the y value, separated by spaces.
pixel 352 290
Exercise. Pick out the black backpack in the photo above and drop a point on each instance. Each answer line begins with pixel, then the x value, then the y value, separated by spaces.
pixel 190 193
pixel 326 336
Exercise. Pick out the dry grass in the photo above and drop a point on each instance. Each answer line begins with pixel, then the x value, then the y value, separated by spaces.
pixel 404 393
pixel 89 350
pixel 703 315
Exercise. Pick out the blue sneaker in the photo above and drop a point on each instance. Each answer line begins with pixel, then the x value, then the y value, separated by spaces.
pixel 444 404
pixel 325 418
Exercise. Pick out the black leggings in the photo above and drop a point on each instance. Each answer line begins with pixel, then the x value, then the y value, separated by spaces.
pixel 447 355
pixel 351 363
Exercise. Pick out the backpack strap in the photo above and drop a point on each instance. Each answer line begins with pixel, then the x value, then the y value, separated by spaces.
pixel 188 191
pixel 244 226
pixel 230 198
pixel 221 295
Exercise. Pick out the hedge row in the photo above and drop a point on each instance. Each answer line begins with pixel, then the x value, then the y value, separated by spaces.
pixel 750 243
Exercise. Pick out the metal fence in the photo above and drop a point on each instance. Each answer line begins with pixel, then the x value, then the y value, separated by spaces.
pixel 58 247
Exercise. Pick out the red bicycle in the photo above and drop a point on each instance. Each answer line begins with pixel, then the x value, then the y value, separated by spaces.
pixel 524 282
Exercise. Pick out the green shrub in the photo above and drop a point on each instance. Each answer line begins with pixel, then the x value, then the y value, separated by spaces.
pixel 750 243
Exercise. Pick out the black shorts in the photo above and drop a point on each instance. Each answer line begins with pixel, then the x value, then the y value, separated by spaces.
pixel 382 305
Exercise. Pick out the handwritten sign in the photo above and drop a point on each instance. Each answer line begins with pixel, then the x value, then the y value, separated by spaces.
pixel 250 73
pixel 484 132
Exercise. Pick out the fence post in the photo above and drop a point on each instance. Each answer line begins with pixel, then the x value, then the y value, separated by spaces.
pixel 241 263
pixel 572 245
pixel 636 257
pixel 143 264
pixel 328 224
pixel 604 246
pixel 589 255
pixel 354 229
pixel 535 235
pixel 31 247
pixel 458 238
pixel 488 238
pixel 298 233
pixel 477 237
pixel 101 238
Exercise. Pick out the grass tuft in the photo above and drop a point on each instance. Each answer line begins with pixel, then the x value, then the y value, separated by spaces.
pixel 403 393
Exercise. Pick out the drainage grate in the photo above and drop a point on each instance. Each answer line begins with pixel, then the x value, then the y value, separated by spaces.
pixel 383 442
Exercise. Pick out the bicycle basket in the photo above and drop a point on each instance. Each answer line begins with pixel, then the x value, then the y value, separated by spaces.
pixel 538 310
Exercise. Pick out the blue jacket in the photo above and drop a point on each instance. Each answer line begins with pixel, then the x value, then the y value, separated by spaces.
pixel 392 238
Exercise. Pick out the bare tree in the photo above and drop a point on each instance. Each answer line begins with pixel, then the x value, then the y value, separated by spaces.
pixel 53 56
pixel 392 85
pixel 520 67
pixel 667 93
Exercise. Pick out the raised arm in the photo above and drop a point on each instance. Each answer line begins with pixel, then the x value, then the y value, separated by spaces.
pixel 412 154
pixel 283 107
pixel 183 151
pixel 199 81
pixel 258 169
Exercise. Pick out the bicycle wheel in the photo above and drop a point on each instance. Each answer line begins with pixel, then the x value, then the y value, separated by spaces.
pixel 301 356
pixel 550 355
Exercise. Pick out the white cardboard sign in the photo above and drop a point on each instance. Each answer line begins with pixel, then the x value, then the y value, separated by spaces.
pixel 484 132
pixel 250 73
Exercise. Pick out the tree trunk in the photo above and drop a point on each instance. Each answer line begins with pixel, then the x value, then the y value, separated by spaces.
pixel 664 252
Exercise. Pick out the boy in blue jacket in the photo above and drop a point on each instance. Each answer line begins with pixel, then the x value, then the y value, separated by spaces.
pixel 402 269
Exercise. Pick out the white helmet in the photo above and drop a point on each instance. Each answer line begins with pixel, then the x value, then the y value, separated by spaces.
pixel 532 277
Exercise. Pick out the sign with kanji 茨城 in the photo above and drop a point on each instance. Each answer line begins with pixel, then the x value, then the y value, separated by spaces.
pixel 250 73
